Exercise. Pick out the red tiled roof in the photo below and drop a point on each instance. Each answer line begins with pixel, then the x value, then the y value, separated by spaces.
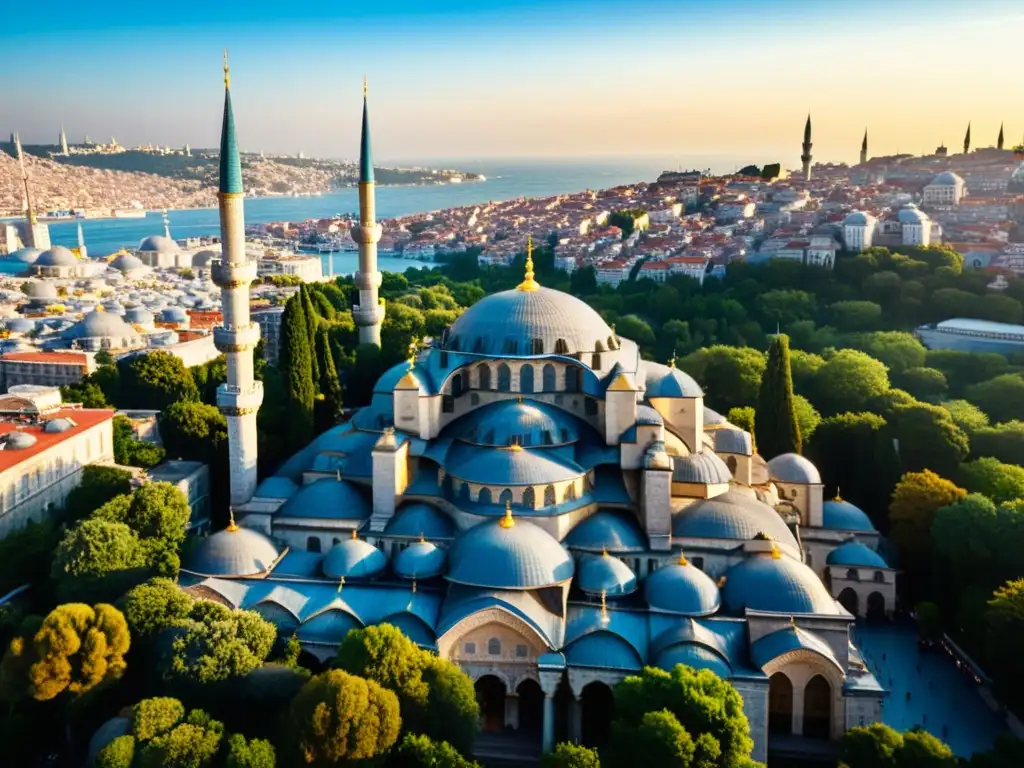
pixel 61 358
pixel 83 418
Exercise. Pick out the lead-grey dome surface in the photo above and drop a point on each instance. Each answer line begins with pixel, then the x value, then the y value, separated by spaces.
pixel 793 468
pixel 100 324
pixel 157 243
pixel 238 552
pixel 523 556
pixel 509 322
pixel 40 289
pixel 732 515
pixel 57 256
pixel 126 262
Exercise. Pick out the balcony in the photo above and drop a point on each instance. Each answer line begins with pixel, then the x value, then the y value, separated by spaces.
pixel 236 338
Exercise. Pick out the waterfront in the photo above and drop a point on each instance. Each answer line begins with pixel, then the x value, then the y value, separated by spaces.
pixel 506 180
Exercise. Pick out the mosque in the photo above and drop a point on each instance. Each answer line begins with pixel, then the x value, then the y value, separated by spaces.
pixel 531 499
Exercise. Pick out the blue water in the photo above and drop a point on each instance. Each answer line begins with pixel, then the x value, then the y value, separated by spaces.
pixel 506 180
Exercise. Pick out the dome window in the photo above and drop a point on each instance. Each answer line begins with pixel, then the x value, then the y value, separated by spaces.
pixel 504 378
pixel 505 497
pixel 595 361
pixel 313 544
pixel 494 647
pixel 483 373
pixel 511 346
pixel 522 651
pixel 548 378
pixel 528 498
pixel 538 346
pixel 561 347
pixel 526 379
pixel 879 577
pixel 485 496
pixel 470 649
pixel 549 496
pixel 852 574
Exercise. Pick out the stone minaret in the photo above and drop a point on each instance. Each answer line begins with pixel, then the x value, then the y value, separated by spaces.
pixel 34 234
pixel 999 141
pixel 83 252
pixel 369 312
pixel 63 141
pixel 967 139
pixel 240 397
pixel 864 148
pixel 805 158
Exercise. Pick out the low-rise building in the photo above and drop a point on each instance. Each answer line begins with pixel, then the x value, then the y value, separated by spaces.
pixel 945 189
pixel 192 478
pixel 48 369
pixel 269 320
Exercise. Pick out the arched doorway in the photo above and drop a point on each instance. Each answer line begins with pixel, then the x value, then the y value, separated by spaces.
pixel 598 704
pixel 483 373
pixel 850 601
pixel 490 695
pixel 531 709
pixel 548 378
pixel 780 704
pixel 504 378
pixel 876 605
pixel 818 708
pixel 456 385
pixel 526 379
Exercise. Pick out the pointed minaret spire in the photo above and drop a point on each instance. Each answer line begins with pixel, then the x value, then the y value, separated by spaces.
pixel 167 224
pixel 240 397
pixel 82 250
pixel 864 148
pixel 368 310
pixel 999 141
pixel 805 158
pixel 63 141
pixel 967 139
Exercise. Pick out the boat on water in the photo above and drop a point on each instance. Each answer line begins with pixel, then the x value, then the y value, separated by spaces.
pixel 130 213
pixel 57 215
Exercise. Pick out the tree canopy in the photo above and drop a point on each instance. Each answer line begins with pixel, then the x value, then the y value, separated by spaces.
pixel 776 425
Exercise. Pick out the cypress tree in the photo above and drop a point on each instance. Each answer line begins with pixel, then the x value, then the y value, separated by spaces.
pixel 328 405
pixel 296 366
pixel 312 323
pixel 776 428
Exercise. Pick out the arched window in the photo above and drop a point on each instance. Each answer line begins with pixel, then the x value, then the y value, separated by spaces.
pixel 549 496
pixel 852 574
pixel 730 462
pixel 879 577
pixel 485 496
pixel 818 708
pixel 572 379
pixel 538 346
pixel 548 378
pixel 528 498
pixel 570 492
pixel 595 361
pixel 780 704
pixel 483 373
pixel 494 647
pixel 313 544
pixel 464 492
pixel 598 346
pixel 505 498
pixel 504 378
pixel 612 343
pixel 526 379
pixel 456 384
pixel 561 347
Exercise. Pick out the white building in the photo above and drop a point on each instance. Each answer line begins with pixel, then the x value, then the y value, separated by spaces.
pixel 916 225
pixel 45 445
pixel 309 269
pixel 161 251
pixel 612 272
pixel 945 189
pixel 48 369
pixel 859 230
pixel 192 478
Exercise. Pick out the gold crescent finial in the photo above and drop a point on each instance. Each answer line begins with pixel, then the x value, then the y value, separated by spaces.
pixel 529 284
pixel 355 534
pixel 683 560
pixel 341 584
pixel 232 527
pixel 414 585
pixel 507 521
pixel 838 497
pixel 227 71
pixel 365 87
pixel 422 537
pixel 776 553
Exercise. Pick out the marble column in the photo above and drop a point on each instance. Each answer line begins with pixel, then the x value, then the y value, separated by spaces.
pixel 548 742
pixel 512 711
pixel 575 720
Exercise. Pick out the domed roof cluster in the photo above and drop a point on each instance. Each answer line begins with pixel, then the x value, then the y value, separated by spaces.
pixel 669 381
pixel 158 243
pixel 682 588
pixel 614 531
pixel 353 559
pixel 519 422
pixel 705 468
pixel 605 575
pixel 793 468
pixel 509 466
pixel 508 554
pixel 233 552
pixel 947 178
pixel 775 583
pixel 732 515
pixel 100 324
pixel 328 499
pixel 57 256
pixel 911 214
pixel 126 263
pixel 511 323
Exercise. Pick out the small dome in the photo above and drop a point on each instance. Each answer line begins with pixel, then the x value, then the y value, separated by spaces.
pixel 158 243
pixel 57 256
pixel 39 289
pixel 389 379
pixel 173 315
pixel 858 219
pixel 947 178
pixel 25 255
pixel 732 515
pixel 139 315
pixel 855 554
pixel 704 468
pixel 276 488
pixel 509 466
pixel 19 441
pixel 604 574
pixel 58 425
pixel 511 322
pixel 839 515
pixel 523 422
pixel 420 560
pixel 617 532
pixel 100 324
pixel 353 559
pixel 911 214
pixel 328 499
pixel 733 440
pixel 682 588
pixel 777 584
pixel 793 468
pixel 668 381
pixel 238 552
pixel 713 418
pixel 419 519
pixel 203 258
pixel 496 555
pixel 696 656
pixel 126 263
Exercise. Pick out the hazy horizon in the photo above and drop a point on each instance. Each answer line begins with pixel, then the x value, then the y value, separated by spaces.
pixel 523 79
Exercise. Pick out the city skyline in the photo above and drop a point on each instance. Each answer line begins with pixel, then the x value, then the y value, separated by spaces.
pixel 520 80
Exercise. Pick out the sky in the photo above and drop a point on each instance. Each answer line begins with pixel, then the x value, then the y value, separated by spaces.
pixel 522 78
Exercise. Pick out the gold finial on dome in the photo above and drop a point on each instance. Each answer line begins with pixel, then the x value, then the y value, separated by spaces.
pixel 414 347
pixel 672 362
pixel 515 447
pixel 355 534
pixel 604 551
pixel 422 537
pixel 529 284
pixel 227 71
pixel 838 497
pixel 507 521
pixel 341 584
pixel 721 582
pixel 519 399
pixel 232 526
pixel 683 560
pixel 414 585
pixel 605 618
pixel 776 552
pixel 365 87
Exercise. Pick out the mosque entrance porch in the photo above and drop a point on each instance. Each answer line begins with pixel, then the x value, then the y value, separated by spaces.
pixel 490 695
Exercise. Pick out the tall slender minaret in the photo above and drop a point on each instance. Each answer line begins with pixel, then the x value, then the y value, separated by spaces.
pixel 805 158
pixel 33 235
pixel 63 141
pixel 167 224
pixel 83 252
pixel 864 148
pixel 369 312
pixel 240 397
pixel 967 139
pixel 999 141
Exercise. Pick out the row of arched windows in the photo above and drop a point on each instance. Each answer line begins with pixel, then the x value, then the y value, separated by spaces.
pixel 514 346
pixel 529 381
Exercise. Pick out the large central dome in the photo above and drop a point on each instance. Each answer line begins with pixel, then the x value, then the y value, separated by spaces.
pixel 537 322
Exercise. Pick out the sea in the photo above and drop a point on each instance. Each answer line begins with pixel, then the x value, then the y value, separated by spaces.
pixel 505 180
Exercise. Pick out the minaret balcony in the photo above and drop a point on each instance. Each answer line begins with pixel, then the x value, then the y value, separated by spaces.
pixel 236 338
pixel 370 314
pixel 367 234
pixel 239 401
pixel 228 275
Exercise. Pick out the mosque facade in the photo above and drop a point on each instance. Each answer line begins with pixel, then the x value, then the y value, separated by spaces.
pixel 531 499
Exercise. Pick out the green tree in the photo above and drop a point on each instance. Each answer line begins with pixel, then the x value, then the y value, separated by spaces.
pixel 296 364
pixel 777 428
pixel 569 755
pixel 87 392
pixel 803 367
pixel 158 514
pixel 962 369
pixel 924 383
pixel 312 327
pixel 155 381
pixel 898 350
pixel 154 606
pixel 328 407
pixel 1002 398
pixel 731 376
pixel 98 559
pixel 855 315
pixel 847 382
pixel 870 746
pixel 196 432
pixel 1004 622
pixel 785 306
pixel 130 451
pixel 151 717
pixel 193 743
pixel 992 478
pixel 917 497
pixel 337 716
pixel 584 281
pixel 1002 441
pixel 26 555
pixel 419 751
pixel 969 418
pixel 659 737
pixel 744 418
pixel 807 417
pixel 703 704
pixel 922 750
pixel 209 376
pixel 99 485
pixel 928 438
pixel 249 753
pixel 75 649
pixel 633 328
